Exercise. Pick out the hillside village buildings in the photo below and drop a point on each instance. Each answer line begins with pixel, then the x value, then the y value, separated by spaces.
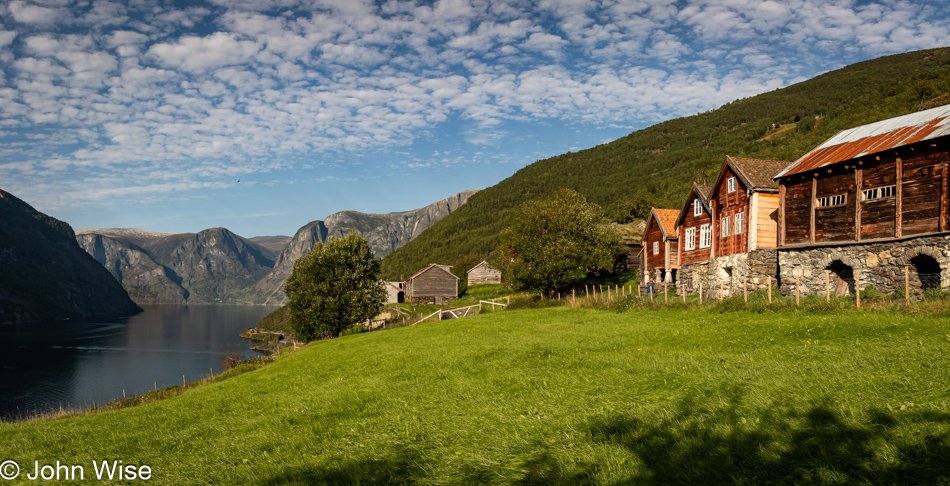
pixel 867 203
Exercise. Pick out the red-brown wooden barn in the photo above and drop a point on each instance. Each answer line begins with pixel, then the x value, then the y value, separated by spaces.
pixel 660 251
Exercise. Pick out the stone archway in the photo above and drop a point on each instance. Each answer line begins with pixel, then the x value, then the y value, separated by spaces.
pixel 927 270
pixel 842 277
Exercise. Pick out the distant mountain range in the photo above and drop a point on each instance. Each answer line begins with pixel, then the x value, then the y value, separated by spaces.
pixel 44 275
pixel 218 266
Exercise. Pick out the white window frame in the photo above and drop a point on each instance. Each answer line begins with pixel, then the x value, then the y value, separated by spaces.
pixel 656 247
pixel 726 225
pixel 697 207
pixel 731 184
pixel 690 239
pixel 832 200
pixel 705 235
pixel 879 193
pixel 740 223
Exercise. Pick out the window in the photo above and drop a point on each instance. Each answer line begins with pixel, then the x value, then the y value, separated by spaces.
pixel 656 247
pixel 705 235
pixel 878 193
pixel 740 222
pixel 832 200
pixel 697 208
pixel 731 182
pixel 725 226
pixel 690 239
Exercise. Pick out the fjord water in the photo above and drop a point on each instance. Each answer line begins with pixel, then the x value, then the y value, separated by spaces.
pixel 70 364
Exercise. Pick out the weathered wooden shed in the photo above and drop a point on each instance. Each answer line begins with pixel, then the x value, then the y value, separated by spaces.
pixel 483 273
pixel 434 284
pixel 871 199
pixel 660 251
pixel 394 292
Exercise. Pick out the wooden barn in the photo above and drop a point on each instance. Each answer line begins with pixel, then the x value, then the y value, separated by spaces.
pixel 434 284
pixel 660 251
pixel 483 273
pixel 873 200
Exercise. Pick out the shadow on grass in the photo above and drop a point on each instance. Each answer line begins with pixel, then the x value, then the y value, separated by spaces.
pixel 699 444
pixel 397 469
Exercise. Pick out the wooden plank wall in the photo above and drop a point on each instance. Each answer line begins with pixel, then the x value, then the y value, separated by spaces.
pixel 729 204
pixel 691 221
pixel 435 282
pixel 919 207
pixel 653 233
pixel 766 221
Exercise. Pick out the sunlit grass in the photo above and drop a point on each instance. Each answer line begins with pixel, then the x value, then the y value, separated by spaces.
pixel 556 396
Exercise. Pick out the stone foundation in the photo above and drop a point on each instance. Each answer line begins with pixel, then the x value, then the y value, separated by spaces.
pixel 878 264
pixel 754 269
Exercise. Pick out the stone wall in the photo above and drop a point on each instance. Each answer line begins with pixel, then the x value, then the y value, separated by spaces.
pixel 878 264
pixel 752 269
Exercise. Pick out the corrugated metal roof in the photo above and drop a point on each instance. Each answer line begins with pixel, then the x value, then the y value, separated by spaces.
pixel 875 137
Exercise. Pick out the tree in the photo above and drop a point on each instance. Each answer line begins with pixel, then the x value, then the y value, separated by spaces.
pixel 334 287
pixel 552 244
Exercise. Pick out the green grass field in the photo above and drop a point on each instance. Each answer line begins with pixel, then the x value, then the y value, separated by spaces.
pixel 555 396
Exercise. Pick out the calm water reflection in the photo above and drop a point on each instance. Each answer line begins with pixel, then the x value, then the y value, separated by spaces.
pixel 71 364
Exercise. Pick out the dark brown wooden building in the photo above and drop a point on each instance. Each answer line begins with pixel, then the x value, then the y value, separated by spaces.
pixel 660 251
pixel 884 183
pixel 744 202
pixel 694 226
pixel 434 284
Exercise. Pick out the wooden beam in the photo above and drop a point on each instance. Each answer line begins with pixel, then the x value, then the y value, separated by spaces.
pixel 781 214
pixel 899 209
pixel 943 198
pixel 858 176
pixel 814 195
pixel 713 225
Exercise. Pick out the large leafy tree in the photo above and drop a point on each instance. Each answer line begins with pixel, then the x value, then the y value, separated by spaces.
pixel 553 244
pixel 334 287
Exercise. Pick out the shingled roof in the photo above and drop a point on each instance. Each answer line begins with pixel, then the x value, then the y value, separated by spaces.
pixel 667 220
pixel 875 137
pixel 757 174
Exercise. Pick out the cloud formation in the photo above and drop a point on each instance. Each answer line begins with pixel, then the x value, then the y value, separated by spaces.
pixel 106 98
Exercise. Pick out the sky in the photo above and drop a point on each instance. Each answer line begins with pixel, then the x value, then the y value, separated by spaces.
pixel 263 115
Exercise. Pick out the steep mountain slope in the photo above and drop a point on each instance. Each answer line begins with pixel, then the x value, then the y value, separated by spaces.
pixel 658 164
pixel 44 274
pixel 218 266
pixel 385 232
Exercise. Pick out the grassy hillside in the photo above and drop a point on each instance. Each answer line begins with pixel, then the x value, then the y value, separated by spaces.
pixel 662 161
pixel 555 396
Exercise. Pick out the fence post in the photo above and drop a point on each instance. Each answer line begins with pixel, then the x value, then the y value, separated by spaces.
pixel 720 291
pixel 684 295
pixel 666 298
pixel 586 292
pixel 745 290
pixel 700 292
pixel 827 285
pixel 573 295
pixel 857 288
pixel 906 285
pixel 770 289
pixel 798 292
pixel 509 300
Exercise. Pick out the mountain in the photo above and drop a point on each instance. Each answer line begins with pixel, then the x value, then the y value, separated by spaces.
pixel 659 163
pixel 385 232
pixel 218 266
pixel 45 275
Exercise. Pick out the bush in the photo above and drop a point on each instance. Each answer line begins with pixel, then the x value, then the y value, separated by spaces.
pixel 935 293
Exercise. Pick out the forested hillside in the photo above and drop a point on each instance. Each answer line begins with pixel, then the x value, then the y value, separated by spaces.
pixel 656 165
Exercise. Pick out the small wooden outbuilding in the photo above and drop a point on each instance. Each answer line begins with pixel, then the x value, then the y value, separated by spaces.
pixel 483 273
pixel 394 292
pixel 744 202
pixel 434 284
pixel 660 250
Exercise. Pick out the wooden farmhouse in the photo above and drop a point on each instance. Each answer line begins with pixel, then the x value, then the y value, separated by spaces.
pixel 871 201
pixel 734 232
pixel 660 251
pixel 483 273
pixel 434 284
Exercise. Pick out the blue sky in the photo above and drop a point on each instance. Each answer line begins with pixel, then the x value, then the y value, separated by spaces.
pixel 263 115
